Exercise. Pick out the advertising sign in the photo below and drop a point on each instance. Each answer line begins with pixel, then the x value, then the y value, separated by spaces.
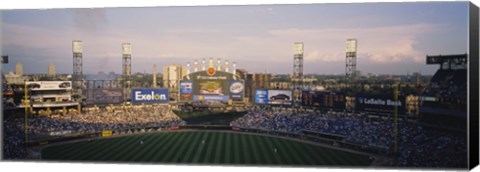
pixel 236 90
pixel 107 133
pixel 280 97
pixel 49 85
pixel 210 97
pixel 261 96
pixel 379 103
pixel 104 96
pixel 186 89
pixel 150 95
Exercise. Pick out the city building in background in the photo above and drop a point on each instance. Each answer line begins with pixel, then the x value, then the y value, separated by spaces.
pixel 19 69
pixel 51 70
pixel 172 75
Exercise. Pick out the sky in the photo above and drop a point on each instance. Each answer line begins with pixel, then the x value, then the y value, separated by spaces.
pixel 393 38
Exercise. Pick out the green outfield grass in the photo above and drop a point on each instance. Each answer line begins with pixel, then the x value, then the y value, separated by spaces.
pixel 204 147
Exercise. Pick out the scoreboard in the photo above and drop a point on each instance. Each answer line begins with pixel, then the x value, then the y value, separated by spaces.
pixel 323 99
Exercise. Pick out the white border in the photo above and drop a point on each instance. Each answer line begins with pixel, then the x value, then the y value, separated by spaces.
pixel 84 167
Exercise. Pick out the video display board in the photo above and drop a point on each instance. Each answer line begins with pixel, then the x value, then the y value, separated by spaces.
pixel 150 95
pixel 379 103
pixel 273 97
pixel 323 99
pixel 236 90
pixel 211 88
pixel 104 96
pixel 212 85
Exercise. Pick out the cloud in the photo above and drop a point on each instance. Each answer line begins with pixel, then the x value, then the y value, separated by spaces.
pixel 377 45
pixel 251 50
pixel 89 20
pixel 32 37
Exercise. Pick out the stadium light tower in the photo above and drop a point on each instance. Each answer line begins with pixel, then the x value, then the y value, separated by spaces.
pixel 227 68
pixel 351 59
pixel 77 49
pixel 297 70
pixel 195 66
pixel 127 72
pixel 219 64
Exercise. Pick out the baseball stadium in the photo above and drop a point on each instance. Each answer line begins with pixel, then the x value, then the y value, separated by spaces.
pixel 408 104
pixel 208 119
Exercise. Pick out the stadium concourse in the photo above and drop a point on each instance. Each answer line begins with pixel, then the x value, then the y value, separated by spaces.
pixel 418 147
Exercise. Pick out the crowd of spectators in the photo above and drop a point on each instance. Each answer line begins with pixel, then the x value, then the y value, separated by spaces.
pixel 13 140
pixel 448 84
pixel 418 147
pixel 106 119
pixel 91 121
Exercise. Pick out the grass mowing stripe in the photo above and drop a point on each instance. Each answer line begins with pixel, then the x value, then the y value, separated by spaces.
pixel 120 147
pixel 287 150
pixel 347 159
pixel 86 153
pixel 126 152
pixel 261 154
pixel 285 155
pixel 119 144
pixel 161 139
pixel 228 147
pixel 190 147
pixel 73 149
pixel 200 152
pixel 110 150
pixel 55 152
pixel 236 152
pixel 213 142
pixel 334 156
pixel 148 144
pixel 302 148
pixel 173 150
pixel 245 150
pixel 269 141
pixel 253 146
pixel 80 151
pixel 266 152
pixel 218 149
pixel 317 153
pixel 196 145
pixel 58 151
pixel 177 137
pixel 222 147
pixel 185 147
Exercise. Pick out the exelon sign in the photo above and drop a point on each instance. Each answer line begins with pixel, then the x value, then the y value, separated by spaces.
pixel 150 95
